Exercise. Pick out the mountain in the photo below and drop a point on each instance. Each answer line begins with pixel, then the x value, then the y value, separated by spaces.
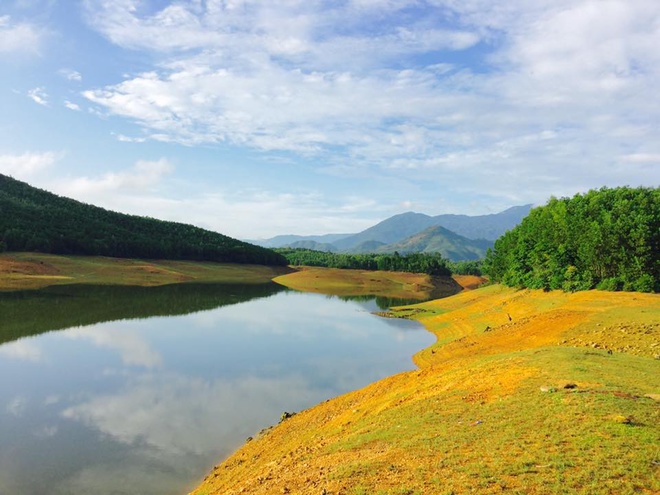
pixel 441 240
pixel 288 240
pixel 391 230
pixel 404 225
pixel 465 237
pixel 35 220
pixel 313 245
pixel 489 227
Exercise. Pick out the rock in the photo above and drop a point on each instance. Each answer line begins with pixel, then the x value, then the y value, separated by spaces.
pixel 286 415
pixel 570 386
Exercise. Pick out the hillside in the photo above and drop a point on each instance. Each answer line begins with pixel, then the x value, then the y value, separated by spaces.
pixel 524 392
pixel 313 245
pixel 35 220
pixel 438 239
pixel 388 231
pixel 607 238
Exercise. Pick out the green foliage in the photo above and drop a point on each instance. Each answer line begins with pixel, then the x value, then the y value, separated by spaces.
pixel 606 238
pixel 431 264
pixel 473 267
pixel 36 220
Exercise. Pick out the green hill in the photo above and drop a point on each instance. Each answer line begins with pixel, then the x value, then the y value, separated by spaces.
pixel 606 238
pixel 440 240
pixel 35 220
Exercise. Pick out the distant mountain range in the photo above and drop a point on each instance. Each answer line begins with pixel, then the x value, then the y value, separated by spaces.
pixel 457 237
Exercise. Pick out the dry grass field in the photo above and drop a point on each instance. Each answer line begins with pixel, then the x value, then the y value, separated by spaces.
pixel 524 392
pixel 32 271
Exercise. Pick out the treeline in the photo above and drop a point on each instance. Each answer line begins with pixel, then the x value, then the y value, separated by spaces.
pixel 36 220
pixel 429 263
pixel 607 239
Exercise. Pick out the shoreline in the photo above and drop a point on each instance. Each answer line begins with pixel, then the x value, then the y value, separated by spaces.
pixel 27 271
pixel 502 360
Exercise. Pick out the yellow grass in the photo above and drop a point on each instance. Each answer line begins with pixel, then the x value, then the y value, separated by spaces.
pixel 519 395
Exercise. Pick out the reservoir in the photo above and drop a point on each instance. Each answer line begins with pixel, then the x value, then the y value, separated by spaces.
pixel 127 390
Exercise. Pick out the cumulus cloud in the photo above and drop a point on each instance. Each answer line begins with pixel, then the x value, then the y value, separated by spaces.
pixel 70 74
pixel 19 37
pixel 133 349
pixel 174 414
pixel 519 99
pixel 28 164
pixel 142 177
pixel 39 96
pixel 25 350
pixel 72 106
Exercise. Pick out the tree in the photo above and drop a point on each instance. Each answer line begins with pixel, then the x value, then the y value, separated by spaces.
pixel 606 238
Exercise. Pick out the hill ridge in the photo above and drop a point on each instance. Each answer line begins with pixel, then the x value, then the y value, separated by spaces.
pixel 33 219
pixel 401 226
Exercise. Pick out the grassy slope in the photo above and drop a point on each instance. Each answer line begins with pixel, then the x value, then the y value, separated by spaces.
pixel 34 270
pixel 488 411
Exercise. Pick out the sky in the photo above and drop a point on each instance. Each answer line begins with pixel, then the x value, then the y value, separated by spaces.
pixel 256 118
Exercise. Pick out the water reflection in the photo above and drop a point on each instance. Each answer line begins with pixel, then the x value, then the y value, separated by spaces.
pixel 32 312
pixel 149 405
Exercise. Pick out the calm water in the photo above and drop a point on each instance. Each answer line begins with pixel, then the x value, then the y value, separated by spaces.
pixel 141 391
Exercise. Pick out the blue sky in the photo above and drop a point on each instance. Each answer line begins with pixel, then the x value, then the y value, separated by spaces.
pixel 257 118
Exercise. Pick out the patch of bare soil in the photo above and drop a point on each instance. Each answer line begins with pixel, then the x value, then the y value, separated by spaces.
pixel 469 282
pixel 10 265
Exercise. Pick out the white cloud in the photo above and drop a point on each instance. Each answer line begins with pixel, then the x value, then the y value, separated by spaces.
pixel 142 178
pixel 70 74
pixel 28 164
pixel 238 213
pixel 17 406
pixel 650 158
pixel 507 101
pixel 24 350
pixel 19 37
pixel 133 349
pixel 173 414
pixel 72 106
pixel 38 95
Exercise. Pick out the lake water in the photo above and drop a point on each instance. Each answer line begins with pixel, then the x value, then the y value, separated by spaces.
pixel 115 390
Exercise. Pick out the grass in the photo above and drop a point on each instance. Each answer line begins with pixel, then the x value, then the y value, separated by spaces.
pixel 530 406
pixel 19 271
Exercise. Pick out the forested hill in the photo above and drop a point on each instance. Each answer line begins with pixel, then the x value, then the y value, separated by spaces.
pixel 35 220
pixel 606 238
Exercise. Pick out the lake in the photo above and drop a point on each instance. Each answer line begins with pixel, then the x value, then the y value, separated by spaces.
pixel 129 390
